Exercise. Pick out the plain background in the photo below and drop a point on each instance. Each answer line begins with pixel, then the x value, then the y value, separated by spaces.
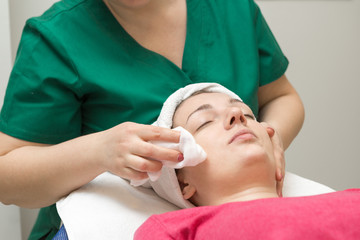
pixel 321 40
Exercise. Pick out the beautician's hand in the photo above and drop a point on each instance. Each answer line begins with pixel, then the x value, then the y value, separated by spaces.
pixel 127 150
pixel 279 157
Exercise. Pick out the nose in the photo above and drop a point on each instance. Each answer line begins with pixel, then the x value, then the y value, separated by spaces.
pixel 234 116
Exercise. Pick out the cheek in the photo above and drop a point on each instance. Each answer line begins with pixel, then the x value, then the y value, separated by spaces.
pixel 262 134
pixel 266 142
pixel 214 149
pixel 210 142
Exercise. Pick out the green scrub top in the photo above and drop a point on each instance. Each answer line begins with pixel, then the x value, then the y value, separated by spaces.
pixel 78 72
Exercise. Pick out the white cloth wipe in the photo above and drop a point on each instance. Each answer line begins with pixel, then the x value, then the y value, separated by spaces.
pixel 193 155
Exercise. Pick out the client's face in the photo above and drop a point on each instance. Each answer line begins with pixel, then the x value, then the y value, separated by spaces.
pixel 238 147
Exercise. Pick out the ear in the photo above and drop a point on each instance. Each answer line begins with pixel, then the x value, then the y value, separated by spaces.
pixel 188 191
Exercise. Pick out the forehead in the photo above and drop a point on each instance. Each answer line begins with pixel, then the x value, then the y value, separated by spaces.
pixel 202 98
pixel 216 100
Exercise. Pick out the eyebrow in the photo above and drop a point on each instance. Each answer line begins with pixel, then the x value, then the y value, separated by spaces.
pixel 234 100
pixel 208 106
pixel 201 108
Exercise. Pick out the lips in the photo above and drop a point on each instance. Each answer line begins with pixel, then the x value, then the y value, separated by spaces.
pixel 242 135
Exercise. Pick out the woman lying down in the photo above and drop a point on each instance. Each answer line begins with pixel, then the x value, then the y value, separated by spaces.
pixel 234 189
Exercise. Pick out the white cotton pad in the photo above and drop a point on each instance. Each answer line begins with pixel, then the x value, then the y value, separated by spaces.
pixel 167 185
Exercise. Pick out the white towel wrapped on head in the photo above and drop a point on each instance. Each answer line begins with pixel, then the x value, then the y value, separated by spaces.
pixel 165 118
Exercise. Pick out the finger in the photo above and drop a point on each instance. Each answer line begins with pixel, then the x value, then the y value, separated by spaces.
pixel 132 174
pixel 270 131
pixel 151 151
pixel 279 175
pixel 154 133
pixel 144 165
pixel 279 187
pixel 279 181
pixel 280 168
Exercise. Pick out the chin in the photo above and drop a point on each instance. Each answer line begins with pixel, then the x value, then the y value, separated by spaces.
pixel 251 152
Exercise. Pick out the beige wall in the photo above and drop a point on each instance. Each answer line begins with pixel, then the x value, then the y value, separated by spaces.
pixel 321 40
pixel 15 223
pixel 5 49
pixel 9 215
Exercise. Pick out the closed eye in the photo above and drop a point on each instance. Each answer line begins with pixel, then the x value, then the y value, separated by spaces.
pixel 202 125
pixel 250 116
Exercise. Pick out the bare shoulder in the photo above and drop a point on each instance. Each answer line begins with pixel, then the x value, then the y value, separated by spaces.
pixel 9 143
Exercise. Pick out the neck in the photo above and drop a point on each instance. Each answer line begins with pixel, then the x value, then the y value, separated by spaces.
pixel 248 194
pixel 141 14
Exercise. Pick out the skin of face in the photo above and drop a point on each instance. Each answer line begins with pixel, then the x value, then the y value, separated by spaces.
pixel 240 163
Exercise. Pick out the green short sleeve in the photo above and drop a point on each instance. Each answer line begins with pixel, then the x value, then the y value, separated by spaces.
pixel 41 102
pixel 272 61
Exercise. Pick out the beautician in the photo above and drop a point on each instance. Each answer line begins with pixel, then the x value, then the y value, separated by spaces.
pixel 90 75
